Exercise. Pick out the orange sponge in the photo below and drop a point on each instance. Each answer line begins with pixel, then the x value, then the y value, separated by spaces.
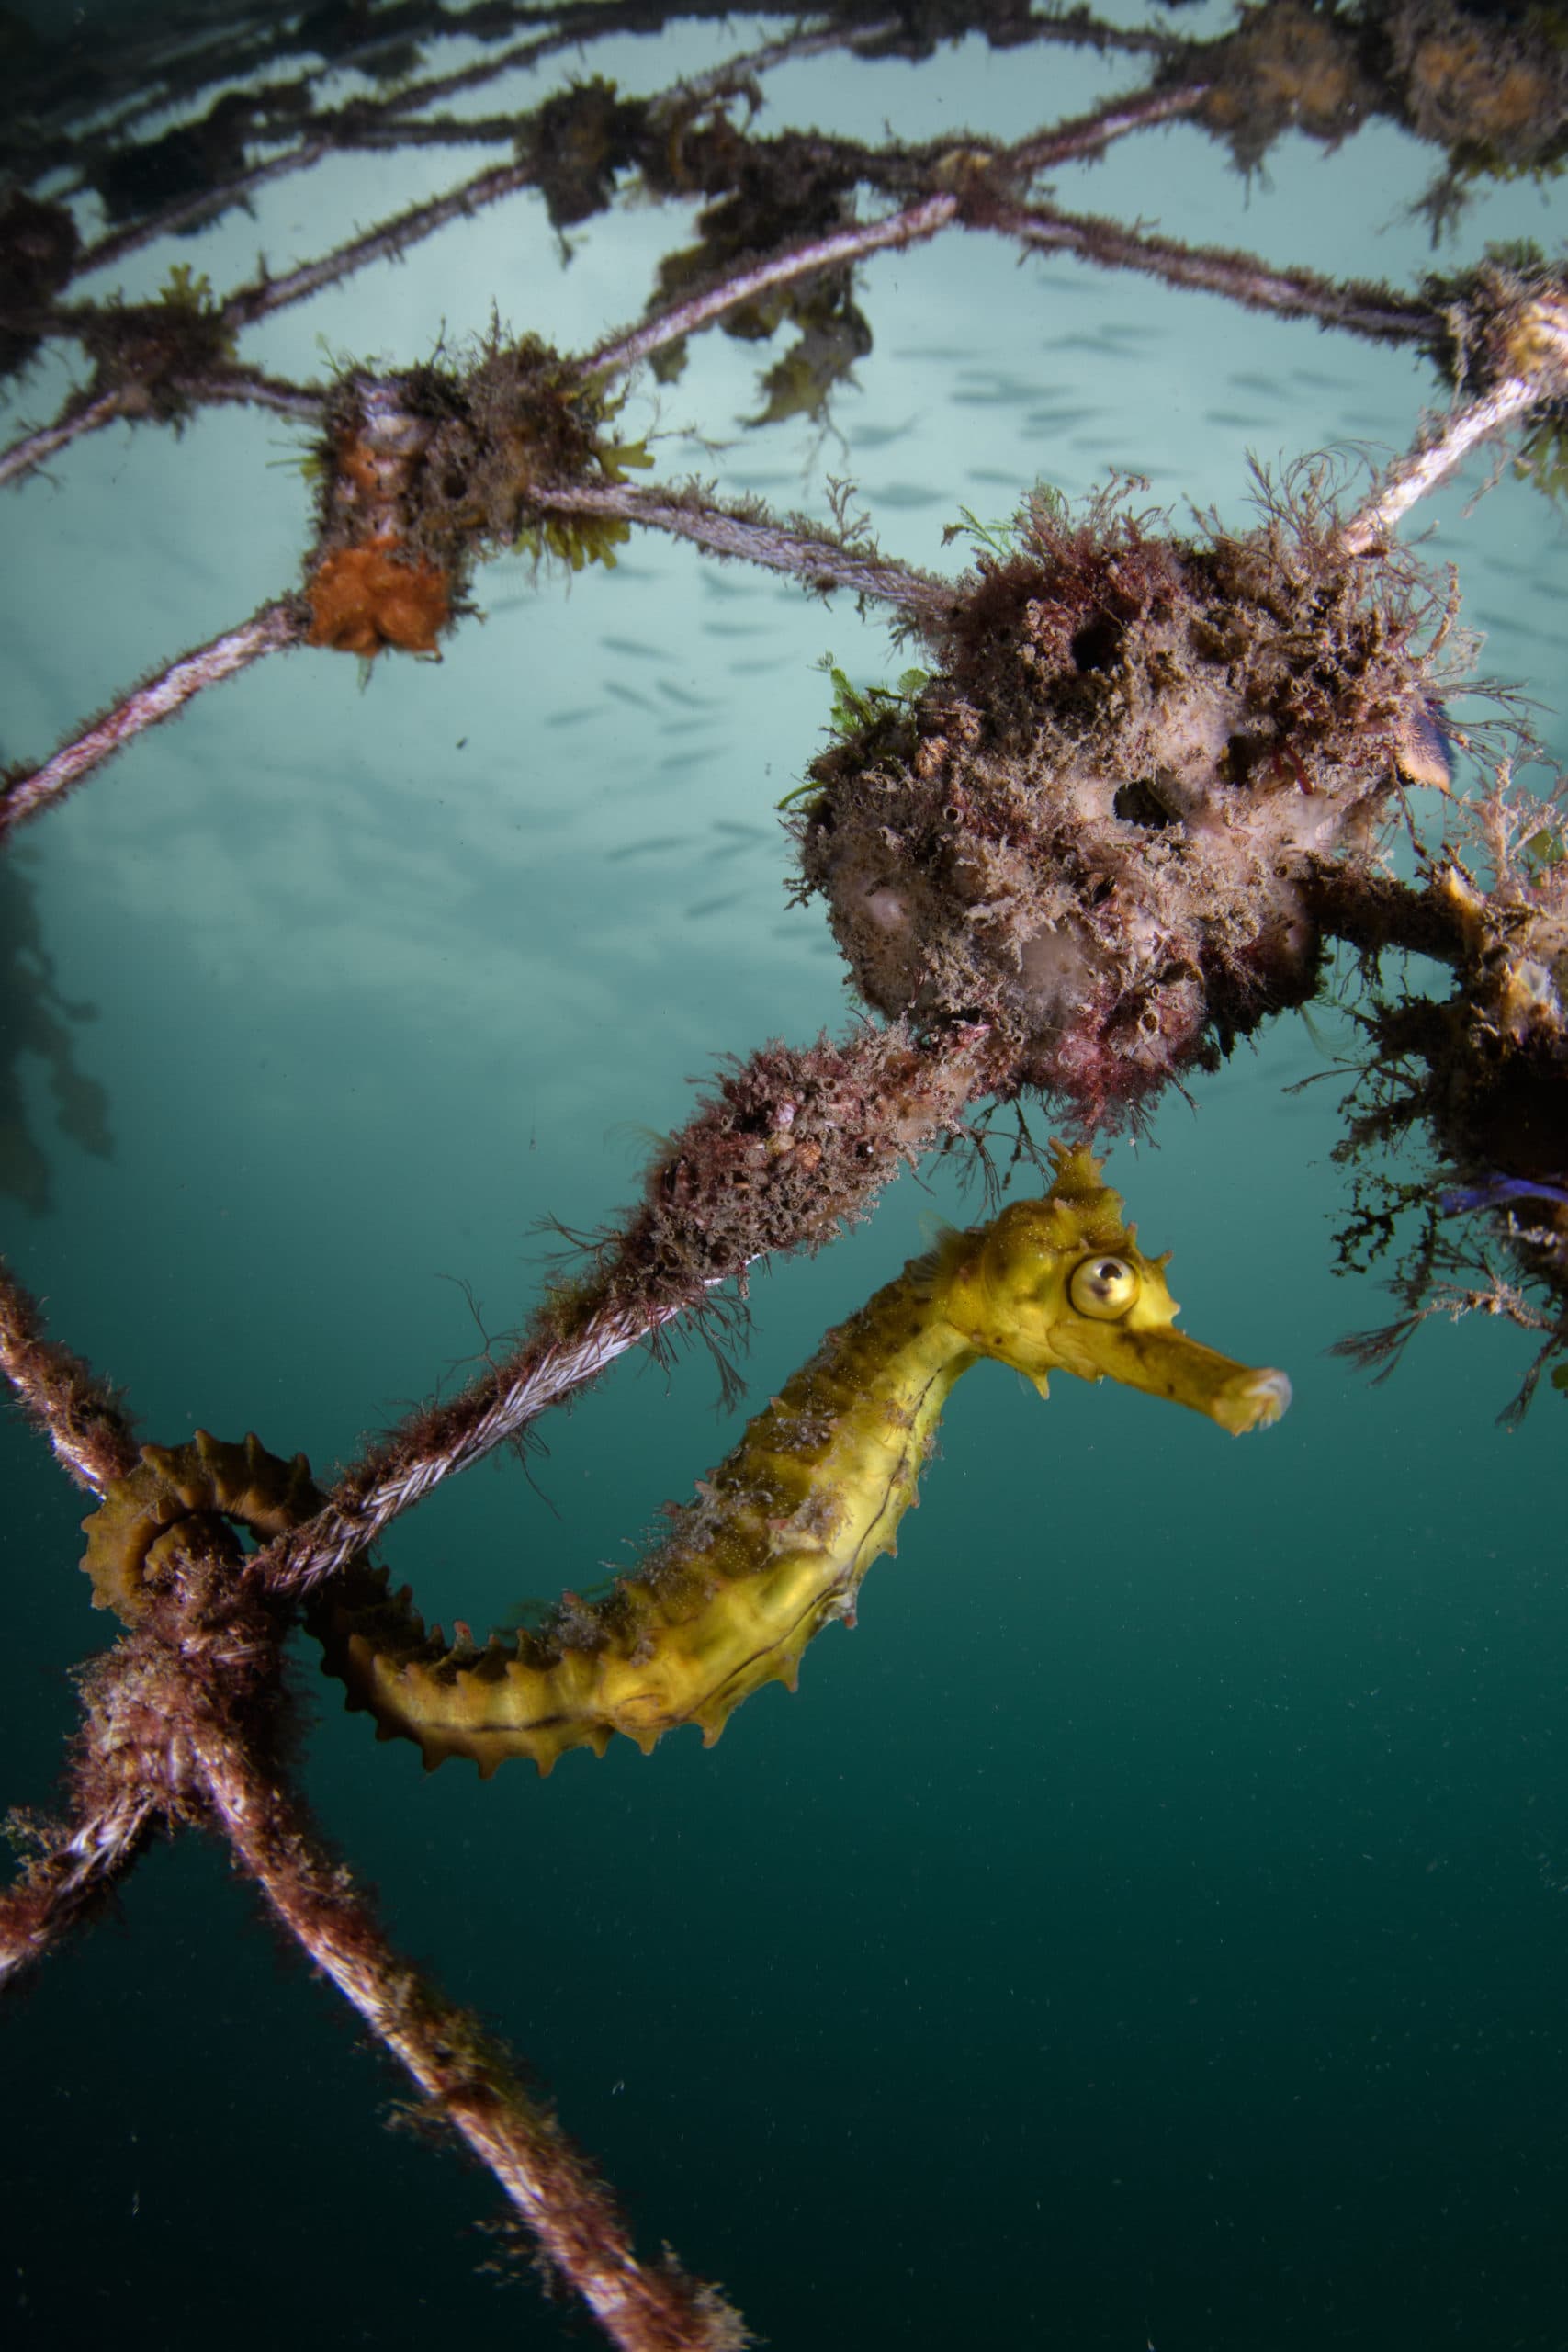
pixel 365 598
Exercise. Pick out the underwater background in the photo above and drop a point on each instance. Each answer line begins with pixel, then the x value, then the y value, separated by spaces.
pixel 1149 1926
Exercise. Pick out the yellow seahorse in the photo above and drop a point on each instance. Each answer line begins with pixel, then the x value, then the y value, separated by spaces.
pixel 778 1541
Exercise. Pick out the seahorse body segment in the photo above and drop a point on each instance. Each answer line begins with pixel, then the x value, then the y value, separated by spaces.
pixel 778 1540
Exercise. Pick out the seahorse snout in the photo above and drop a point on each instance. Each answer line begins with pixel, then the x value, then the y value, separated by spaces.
pixel 1254 1403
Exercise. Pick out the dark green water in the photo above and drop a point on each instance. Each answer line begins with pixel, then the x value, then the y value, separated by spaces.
pixel 1149 1926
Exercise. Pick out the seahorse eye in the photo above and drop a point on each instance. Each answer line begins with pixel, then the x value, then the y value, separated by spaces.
pixel 1103 1288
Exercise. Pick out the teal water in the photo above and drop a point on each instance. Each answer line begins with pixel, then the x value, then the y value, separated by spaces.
pixel 1149 1926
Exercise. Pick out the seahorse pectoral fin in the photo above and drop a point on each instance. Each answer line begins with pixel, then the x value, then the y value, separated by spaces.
pixel 1165 1363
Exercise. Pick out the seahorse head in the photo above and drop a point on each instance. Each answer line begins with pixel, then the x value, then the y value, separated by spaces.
pixel 1059 1284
